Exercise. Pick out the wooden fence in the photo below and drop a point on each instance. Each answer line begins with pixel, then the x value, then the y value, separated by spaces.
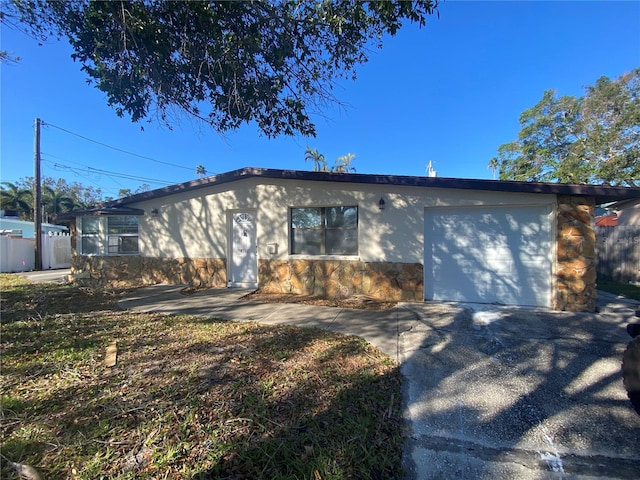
pixel 618 253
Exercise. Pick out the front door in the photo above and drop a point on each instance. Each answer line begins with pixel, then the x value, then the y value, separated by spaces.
pixel 244 263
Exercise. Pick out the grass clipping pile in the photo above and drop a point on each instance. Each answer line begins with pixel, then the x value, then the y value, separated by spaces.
pixel 187 397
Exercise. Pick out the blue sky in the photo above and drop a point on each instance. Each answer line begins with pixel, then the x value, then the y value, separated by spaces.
pixel 450 93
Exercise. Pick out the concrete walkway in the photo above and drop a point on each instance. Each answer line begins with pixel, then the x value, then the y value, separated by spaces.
pixel 47 276
pixel 380 328
pixel 490 392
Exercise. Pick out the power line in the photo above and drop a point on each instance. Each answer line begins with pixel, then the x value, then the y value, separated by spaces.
pixel 82 173
pixel 46 157
pixel 87 177
pixel 108 173
pixel 88 173
pixel 128 177
pixel 116 148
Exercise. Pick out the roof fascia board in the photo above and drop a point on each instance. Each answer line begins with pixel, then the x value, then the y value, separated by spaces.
pixel 602 193
pixel 101 211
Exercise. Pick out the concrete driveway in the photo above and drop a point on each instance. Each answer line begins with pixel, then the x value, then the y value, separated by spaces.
pixel 506 393
pixel 490 392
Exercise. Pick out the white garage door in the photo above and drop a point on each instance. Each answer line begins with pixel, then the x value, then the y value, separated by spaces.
pixel 488 254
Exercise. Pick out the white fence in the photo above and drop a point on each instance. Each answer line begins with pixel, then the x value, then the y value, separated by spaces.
pixel 56 251
pixel 18 254
pixel 619 252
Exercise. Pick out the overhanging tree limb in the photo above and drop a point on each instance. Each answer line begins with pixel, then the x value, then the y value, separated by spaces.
pixel 273 62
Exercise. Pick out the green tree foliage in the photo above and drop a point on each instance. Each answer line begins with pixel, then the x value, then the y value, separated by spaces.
pixel 55 202
pixel 5 55
pixel 319 162
pixel 226 63
pixel 82 195
pixel 58 196
pixel 127 192
pixel 493 166
pixel 17 198
pixel 592 139
pixel 8 57
pixel 201 171
pixel 343 164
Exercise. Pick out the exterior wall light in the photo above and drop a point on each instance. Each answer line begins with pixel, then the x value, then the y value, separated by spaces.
pixel 154 212
pixel 381 204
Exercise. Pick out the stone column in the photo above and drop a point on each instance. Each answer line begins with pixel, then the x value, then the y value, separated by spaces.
pixel 576 255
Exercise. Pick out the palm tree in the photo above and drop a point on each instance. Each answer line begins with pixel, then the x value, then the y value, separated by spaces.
pixel 56 202
pixel 15 198
pixel 201 171
pixel 343 164
pixel 493 166
pixel 319 162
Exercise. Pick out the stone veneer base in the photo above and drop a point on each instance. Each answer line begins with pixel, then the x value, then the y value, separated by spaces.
pixel 325 278
pixel 342 278
pixel 134 271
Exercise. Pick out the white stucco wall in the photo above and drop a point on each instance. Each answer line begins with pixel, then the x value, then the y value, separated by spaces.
pixel 195 224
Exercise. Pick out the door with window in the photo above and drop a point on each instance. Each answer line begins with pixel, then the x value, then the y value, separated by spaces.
pixel 244 260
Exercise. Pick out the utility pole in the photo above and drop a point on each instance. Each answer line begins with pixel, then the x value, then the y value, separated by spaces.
pixel 37 197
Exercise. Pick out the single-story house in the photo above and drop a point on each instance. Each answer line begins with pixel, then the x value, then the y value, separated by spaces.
pixel 341 234
pixel 12 225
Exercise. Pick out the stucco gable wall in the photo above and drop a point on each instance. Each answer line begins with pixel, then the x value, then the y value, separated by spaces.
pixel 195 224
pixel 192 224
pixel 394 234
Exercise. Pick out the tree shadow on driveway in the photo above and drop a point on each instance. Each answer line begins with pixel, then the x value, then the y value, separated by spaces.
pixel 517 393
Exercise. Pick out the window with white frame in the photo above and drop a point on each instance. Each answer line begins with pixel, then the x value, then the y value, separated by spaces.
pixel 90 243
pixel 324 230
pixel 122 234
pixel 109 235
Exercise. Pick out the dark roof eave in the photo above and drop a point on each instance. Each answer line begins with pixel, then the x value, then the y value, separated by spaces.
pixel 601 193
pixel 101 211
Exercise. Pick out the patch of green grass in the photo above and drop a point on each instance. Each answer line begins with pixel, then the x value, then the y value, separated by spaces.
pixel 189 397
pixel 625 289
